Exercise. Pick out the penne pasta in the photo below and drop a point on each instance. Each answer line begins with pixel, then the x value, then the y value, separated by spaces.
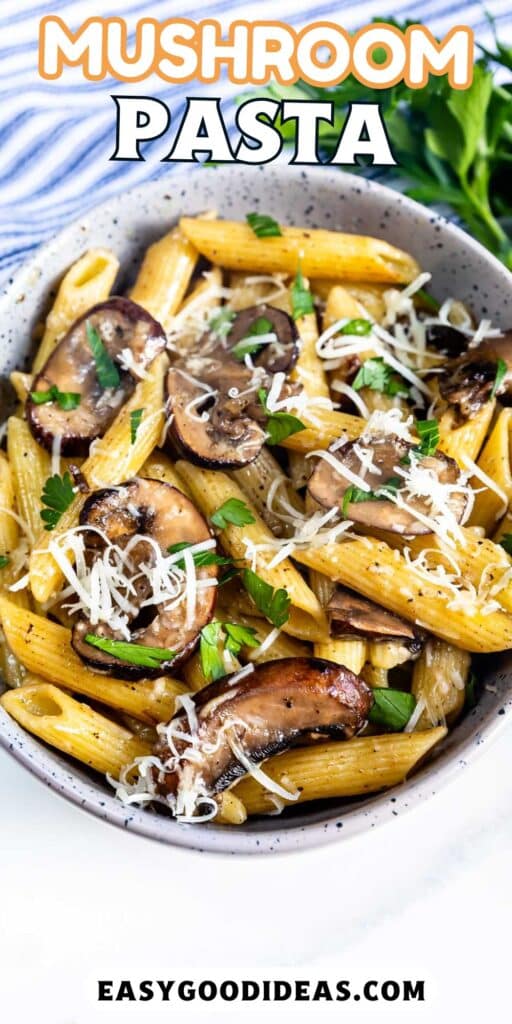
pixel 495 462
pixel 322 427
pixel 438 683
pixel 236 246
pixel 88 282
pixel 44 648
pixel 467 439
pixel 477 560
pixel 309 369
pixel 164 277
pixel 73 728
pixel 374 569
pixel 369 297
pixel 258 479
pixel 252 289
pixel 375 676
pixel 31 467
pixel 22 383
pixel 348 652
pixel 231 809
pixel 335 770
pixel 193 314
pixel 340 304
pixel 387 654
pixel 9 525
pixel 159 467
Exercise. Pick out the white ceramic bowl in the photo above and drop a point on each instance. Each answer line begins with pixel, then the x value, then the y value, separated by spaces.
pixel 318 198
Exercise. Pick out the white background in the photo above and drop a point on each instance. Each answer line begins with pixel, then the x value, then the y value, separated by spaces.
pixel 427 896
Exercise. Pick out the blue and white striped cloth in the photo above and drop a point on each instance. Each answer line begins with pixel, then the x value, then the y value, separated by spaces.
pixel 56 137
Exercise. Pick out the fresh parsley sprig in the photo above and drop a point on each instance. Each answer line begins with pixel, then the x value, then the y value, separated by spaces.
pixel 428 433
pixel 134 654
pixel 217 637
pixel 279 425
pixel 263 225
pixel 391 709
pixel 250 344
pixel 233 511
pixel 355 495
pixel 135 420
pixel 220 324
pixel 66 400
pixel 506 543
pixel 106 369
pixel 57 496
pixel 452 146
pixel 201 558
pixel 301 297
pixel 501 373
pixel 210 653
pixel 238 636
pixel 274 604
pixel 358 326
pixel 378 376
pixel 4 561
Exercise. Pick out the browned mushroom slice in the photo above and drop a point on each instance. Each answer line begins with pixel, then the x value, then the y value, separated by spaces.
pixel 282 703
pixel 160 516
pixel 468 382
pixel 380 463
pixel 211 428
pixel 257 321
pixel 446 339
pixel 131 338
pixel 350 613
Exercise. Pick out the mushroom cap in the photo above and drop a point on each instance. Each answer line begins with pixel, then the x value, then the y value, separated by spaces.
pixel 228 437
pixel 281 704
pixel 446 339
pixel 388 455
pixel 121 324
pixel 216 419
pixel 278 356
pixel 351 613
pixel 153 509
pixel 468 381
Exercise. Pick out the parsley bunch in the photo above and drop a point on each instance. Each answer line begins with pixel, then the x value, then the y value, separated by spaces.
pixel 453 147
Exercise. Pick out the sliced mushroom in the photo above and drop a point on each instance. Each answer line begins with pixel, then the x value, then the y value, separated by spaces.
pixel 281 704
pixel 132 339
pixel 154 510
pixel 380 464
pixel 215 416
pixel 468 382
pixel 278 356
pixel 212 430
pixel 351 613
pixel 446 339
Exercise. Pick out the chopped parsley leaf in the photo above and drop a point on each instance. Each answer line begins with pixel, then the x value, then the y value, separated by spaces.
pixel 232 511
pixel 274 604
pixel 106 369
pixel 263 225
pixel 57 495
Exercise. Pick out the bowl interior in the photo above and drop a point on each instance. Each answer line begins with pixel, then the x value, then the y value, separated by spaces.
pixel 317 198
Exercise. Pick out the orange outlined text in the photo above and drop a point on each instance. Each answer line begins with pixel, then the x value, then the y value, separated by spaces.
pixel 254 53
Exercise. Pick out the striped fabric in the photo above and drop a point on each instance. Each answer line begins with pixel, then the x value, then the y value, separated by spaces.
pixel 57 137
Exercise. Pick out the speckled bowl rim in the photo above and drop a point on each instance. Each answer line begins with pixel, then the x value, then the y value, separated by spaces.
pixel 313 826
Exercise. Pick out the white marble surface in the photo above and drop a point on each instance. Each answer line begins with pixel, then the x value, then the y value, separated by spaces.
pixel 427 896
